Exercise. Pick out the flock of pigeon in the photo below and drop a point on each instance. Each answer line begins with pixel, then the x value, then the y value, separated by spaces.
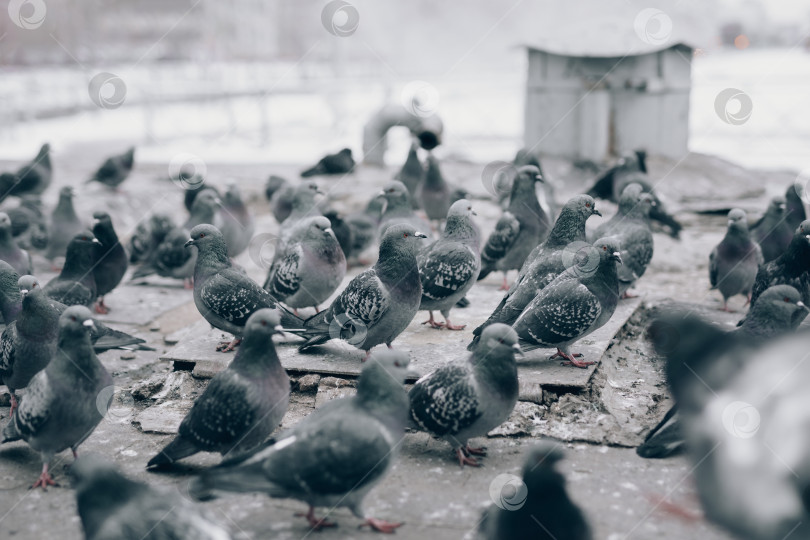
pixel 430 254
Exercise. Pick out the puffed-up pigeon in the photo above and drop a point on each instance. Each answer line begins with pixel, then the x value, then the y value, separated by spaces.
pixel 733 263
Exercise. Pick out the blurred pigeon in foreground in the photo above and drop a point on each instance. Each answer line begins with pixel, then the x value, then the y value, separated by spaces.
pixel 75 285
pixel 29 226
pixel 113 507
pixel 334 456
pixel 412 174
pixel 734 261
pixel 237 221
pixel 578 301
pixel 377 305
pixel 63 226
pixel 33 177
pixel 398 209
pixel 772 232
pixel 18 258
pixel 468 399
pixel 147 237
pixel 540 508
pixel 241 405
pixel 10 298
pixel 449 267
pixel 66 401
pixel 517 233
pixel 332 164
pixel 794 198
pixel 111 259
pixel 433 194
pixel 115 169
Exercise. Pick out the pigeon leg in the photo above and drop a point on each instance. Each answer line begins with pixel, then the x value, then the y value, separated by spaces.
pixel 45 479
pixel 748 300
pixel 627 295
pixel 101 308
pixel 75 455
pixel 571 360
pixel 466 460
pixel 315 523
pixel 432 323
pixel 379 525
pixel 188 283
pixel 480 451
pixel 13 405
pixel 561 354
pixel 505 284
pixel 451 326
pixel 317 310
pixel 227 346
pixel 368 353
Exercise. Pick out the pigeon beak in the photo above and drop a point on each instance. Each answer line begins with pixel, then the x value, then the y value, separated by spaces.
pixel 473 212
pixel 23 292
pixel 782 206
pixel 517 349
pixel 539 178
pixel 380 193
pixel 279 329
pixel 420 235
pixel 218 201
pixel 328 230
pixel 96 241
pixel 596 213
pixel 189 242
pixel 88 323
pixel 616 256
pixel 801 304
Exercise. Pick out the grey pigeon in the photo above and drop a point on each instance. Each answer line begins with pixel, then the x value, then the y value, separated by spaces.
pixel 539 508
pixel 33 177
pixel 237 221
pixel 631 227
pixel 111 259
pixel 224 296
pixel 378 304
pixel 733 263
pixel 67 400
pixel 241 405
pixel 10 298
pixel 191 192
pixel 64 225
pixel 332 164
pixel 29 226
pixel 148 235
pixel 312 268
pixel 433 193
pixel 508 246
pixel 546 262
pixel 449 267
pixel 773 232
pixel 412 174
pixel 342 230
pixel 274 184
pixel 363 226
pixel 115 169
pixel 796 213
pixel 398 209
pixel 18 258
pixel 113 507
pixel 578 301
pixel 470 398
pixel 281 203
pixel 546 195
pixel 303 208
pixel 75 284
pixel 334 456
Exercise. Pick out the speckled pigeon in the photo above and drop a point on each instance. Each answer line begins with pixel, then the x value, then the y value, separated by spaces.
pixel 377 305
pixel 18 258
pixel 115 169
pixel 332 164
pixel 111 259
pixel 311 270
pixel 519 231
pixel 64 225
pixel 433 193
pixel 546 262
pixel 412 174
pixel 733 263
pixel 29 226
pixel 468 399
pixel 33 177
pixel 242 405
pixel 237 221
pixel 449 267
pixel 772 231
pixel 113 507
pixel 76 285
pixel 10 298
pixel 398 209
pixel 578 301
pixel 67 400
pixel 333 457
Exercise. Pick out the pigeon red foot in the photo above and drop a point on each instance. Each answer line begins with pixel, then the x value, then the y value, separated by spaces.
pixel 433 323
pixel 571 359
pixel 44 480
pixel 226 346
pixel 101 308
pixel 465 459
pixel 380 525
pixel 505 284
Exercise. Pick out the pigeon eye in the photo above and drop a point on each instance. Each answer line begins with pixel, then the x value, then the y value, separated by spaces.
pixel 405 235
pixel 604 248
pixel 587 205
pixel 787 299
pixel 202 235
pixel 264 323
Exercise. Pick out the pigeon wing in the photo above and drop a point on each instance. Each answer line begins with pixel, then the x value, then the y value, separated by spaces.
pixel 445 401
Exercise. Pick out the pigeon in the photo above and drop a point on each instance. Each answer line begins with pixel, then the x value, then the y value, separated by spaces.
pixel 734 261
pixel 147 237
pixel 538 508
pixel 64 402
pixel 112 507
pixel 546 195
pixel 631 227
pixel 242 405
pixel 794 198
pixel 111 259
pixel 545 262
pixel 18 258
pixel 115 169
pixel 303 205
pixel 342 230
pixel 332 164
pixel 772 232
pixel 274 184
pixel 63 226
pixel 33 177
pixel 449 267
pixel 519 231
pixel 224 296
pixel 237 221
pixel 282 202
pixel 75 285
pixel 192 191
pixel 334 456
pixel 468 399
pixel 378 304
pixel 577 302
pixel 791 268
pixel 311 270
pixel 433 194
pixel 29 226
pixel 398 209
pixel 412 174
pixel 10 299
pixel 363 226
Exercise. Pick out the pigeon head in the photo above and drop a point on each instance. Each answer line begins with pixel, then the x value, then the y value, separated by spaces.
pixel 380 386
pixel 28 285
pixel 103 229
pixel 265 322
pixel 304 195
pixel 529 173
pixel 206 200
pixel 777 205
pixel 778 303
pixel 609 249
pixel 498 338
pixel 232 196
pixel 319 228
pixel 66 193
pixel 461 208
pixel 76 320
pixel 81 252
pixel 543 455
pixel 395 193
pixel 400 238
pixel 207 238
pixel 631 198
pixel 737 219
